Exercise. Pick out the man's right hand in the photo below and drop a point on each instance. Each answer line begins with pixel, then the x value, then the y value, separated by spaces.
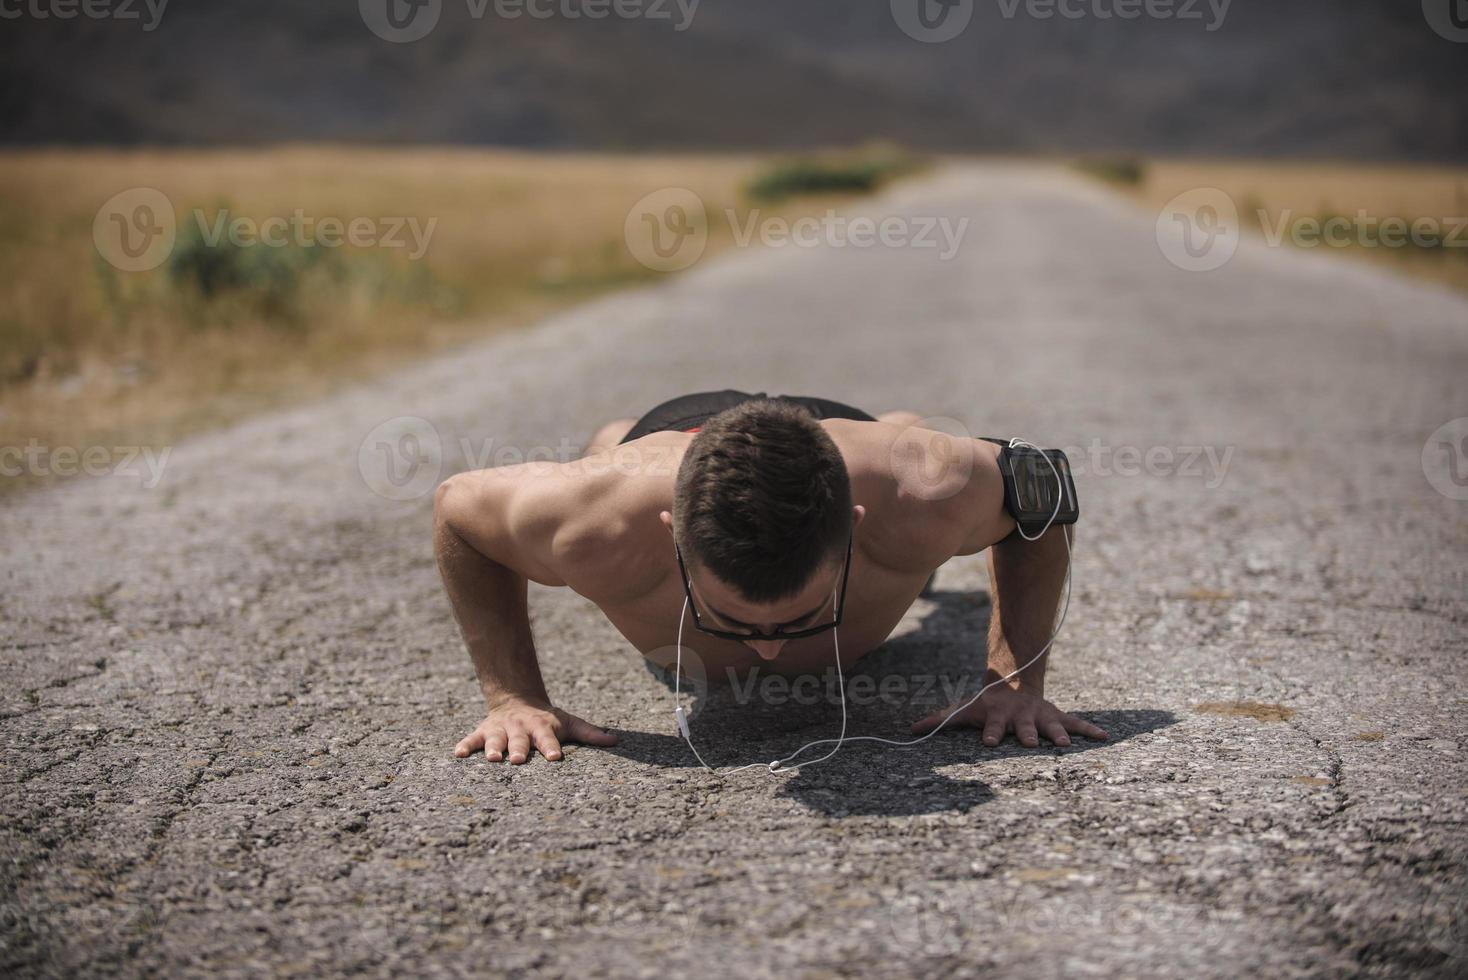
pixel 513 726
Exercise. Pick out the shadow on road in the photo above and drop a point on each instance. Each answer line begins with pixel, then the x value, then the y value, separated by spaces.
pixel 907 678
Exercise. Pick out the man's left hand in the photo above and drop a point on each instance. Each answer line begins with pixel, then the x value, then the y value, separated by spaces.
pixel 1002 709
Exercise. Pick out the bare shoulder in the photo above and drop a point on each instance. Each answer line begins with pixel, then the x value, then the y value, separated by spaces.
pixel 929 494
pixel 590 523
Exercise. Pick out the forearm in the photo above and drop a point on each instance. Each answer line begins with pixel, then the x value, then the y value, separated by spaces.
pixel 1027 578
pixel 489 603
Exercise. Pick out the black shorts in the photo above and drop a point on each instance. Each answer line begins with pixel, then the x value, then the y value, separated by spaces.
pixel 688 413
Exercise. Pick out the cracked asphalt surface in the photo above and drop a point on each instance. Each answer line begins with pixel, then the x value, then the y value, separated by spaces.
pixel 230 701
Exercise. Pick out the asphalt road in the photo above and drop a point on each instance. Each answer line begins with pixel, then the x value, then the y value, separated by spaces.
pixel 230 700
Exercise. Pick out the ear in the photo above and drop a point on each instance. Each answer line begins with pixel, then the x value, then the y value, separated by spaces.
pixel 667 518
pixel 858 513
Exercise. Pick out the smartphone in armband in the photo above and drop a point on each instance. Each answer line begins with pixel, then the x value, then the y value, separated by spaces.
pixel 1030 487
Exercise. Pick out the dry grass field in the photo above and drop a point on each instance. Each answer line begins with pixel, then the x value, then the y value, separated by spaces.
pixel 1291 194
pixel 90 354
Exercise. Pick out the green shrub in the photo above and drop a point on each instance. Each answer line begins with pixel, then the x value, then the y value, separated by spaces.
pixel 256 279
pixel 829 175
pixel 1130 171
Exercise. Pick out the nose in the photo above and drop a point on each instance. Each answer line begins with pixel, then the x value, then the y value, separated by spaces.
pixel 767 649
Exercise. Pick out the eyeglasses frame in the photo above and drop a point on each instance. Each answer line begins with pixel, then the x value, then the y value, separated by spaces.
pixel 778 634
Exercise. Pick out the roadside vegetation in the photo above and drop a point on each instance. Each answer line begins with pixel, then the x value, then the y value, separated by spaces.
pixel 856 172
pixel 489 240
pixel 1126 171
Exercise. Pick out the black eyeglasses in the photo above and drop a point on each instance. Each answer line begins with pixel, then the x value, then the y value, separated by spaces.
pixel 778 634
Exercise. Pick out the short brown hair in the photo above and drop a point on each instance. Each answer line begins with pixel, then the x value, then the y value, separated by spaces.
pixel 762 499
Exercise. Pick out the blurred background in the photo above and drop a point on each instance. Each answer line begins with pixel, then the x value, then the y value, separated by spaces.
pixel 493 149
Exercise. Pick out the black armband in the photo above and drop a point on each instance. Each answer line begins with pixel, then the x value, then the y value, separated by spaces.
pixel 1031 487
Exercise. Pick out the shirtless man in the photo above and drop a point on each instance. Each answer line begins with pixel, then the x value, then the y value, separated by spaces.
pixel 763 500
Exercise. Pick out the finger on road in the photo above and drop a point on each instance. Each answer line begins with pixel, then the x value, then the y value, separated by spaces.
pixel 931 722
pixel 469 743
pixel 546 743
pixel 494 746
pixel 1055 732
pixel 519 747
pixel 1080 726
pixel 580 730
